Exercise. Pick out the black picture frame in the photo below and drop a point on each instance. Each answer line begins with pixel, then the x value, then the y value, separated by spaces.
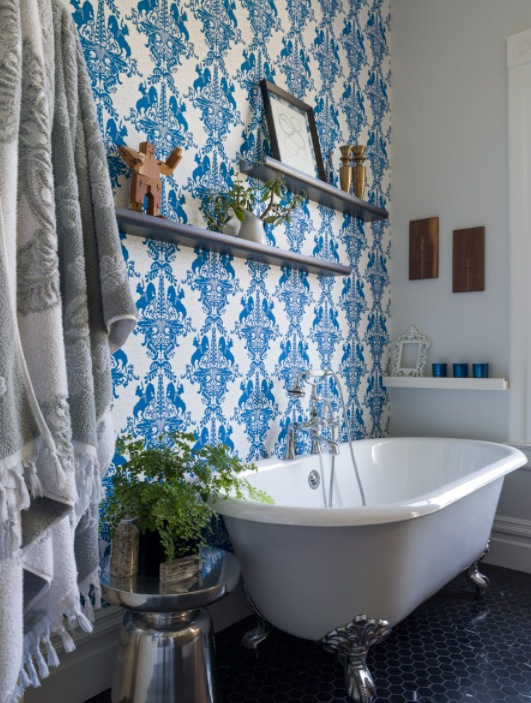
pixel 268 89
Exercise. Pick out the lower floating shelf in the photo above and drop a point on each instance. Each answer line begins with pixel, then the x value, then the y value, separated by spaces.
pixel 456 384
pixel 150 227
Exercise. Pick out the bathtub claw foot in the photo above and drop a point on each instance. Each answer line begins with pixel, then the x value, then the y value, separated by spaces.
pixel 254 637
pixel 351 644
pixel 481 581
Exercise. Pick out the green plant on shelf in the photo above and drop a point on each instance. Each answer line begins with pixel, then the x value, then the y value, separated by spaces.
pixel 235 202
pixel 221 207
pixel 273 192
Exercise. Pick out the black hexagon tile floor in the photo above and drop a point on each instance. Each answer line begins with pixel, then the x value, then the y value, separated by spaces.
pixel 453 649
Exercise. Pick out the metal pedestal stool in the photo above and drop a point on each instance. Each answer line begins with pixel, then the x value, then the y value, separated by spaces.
pixel 166 652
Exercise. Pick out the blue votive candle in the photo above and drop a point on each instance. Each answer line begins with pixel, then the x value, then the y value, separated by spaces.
pixel 480 370
pixel 439 370
pixel 460 370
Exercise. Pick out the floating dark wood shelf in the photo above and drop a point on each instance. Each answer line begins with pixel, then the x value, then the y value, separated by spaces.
pixel 150 227
pixel 316 190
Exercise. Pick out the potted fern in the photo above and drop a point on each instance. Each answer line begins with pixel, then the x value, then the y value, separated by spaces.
pixel 169 489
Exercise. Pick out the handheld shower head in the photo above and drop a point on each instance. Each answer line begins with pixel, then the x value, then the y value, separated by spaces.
pixel 297 391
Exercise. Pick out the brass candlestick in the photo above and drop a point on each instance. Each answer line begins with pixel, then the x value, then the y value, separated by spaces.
pixel 345 171
pixel 359 170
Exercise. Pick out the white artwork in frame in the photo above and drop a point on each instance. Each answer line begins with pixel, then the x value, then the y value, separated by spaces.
pixel 410 354
pixel 294 138
pixel 292 131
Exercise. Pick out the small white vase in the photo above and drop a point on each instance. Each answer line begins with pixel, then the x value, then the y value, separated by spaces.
pixel 232 227
pixel 252 229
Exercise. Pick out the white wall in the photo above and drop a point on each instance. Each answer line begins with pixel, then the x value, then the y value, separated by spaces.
pixel 450 158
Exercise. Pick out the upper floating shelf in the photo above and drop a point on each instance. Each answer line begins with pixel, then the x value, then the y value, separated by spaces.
pixel 461 384
pixel 149 227
pixel 316 190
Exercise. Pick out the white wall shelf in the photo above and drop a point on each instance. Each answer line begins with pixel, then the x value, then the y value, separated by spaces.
pixel 456 384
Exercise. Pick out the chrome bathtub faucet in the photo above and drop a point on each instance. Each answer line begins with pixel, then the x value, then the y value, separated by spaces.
pixel 318 440
pixel 315 425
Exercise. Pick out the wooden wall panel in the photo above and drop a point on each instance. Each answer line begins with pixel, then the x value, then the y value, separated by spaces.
pixel 424 248
pixel 468 266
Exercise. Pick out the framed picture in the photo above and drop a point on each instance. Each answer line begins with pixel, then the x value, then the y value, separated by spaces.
pixel 410 354
pixel 292 130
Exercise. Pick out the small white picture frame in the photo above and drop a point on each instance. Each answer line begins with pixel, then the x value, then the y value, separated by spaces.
pixel 410 354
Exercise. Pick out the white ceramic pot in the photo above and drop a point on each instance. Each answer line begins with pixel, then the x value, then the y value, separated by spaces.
pixel 252 229
pixel 232 227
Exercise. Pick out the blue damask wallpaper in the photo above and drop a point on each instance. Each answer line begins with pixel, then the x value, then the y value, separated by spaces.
pixel 221 340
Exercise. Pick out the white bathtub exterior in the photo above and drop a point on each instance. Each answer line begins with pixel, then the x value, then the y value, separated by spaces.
pixel 430 507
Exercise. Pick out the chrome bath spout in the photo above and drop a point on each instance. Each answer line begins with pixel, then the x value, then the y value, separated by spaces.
pixel 290 443
pixel 318 440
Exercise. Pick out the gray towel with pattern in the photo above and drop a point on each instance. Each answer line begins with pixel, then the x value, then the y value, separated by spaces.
pixel 65 305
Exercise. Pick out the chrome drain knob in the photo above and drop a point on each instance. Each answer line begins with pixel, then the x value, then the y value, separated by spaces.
pixel 314 479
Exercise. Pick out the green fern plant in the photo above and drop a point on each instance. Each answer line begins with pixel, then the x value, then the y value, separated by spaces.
pixel 170 489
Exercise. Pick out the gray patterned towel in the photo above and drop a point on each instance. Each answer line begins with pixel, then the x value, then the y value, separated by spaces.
pixel 64 305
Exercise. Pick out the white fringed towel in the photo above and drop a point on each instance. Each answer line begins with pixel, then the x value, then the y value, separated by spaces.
pixel 65 305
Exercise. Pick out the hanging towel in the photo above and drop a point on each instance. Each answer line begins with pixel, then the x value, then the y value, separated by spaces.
pixel 65 305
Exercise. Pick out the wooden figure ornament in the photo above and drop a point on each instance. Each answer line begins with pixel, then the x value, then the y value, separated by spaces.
pixel 147 170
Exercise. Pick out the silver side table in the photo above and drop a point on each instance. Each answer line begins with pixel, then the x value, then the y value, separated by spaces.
pixel 166 651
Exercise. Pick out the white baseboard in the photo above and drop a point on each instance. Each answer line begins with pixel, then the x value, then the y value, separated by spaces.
pixel 510 544
pixel 89 669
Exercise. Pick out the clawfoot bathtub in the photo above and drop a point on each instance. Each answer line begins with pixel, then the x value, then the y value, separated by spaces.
pixel 345 575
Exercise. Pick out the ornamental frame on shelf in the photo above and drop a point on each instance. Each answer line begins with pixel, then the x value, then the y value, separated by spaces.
pixel 411 341
pixel 292 130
